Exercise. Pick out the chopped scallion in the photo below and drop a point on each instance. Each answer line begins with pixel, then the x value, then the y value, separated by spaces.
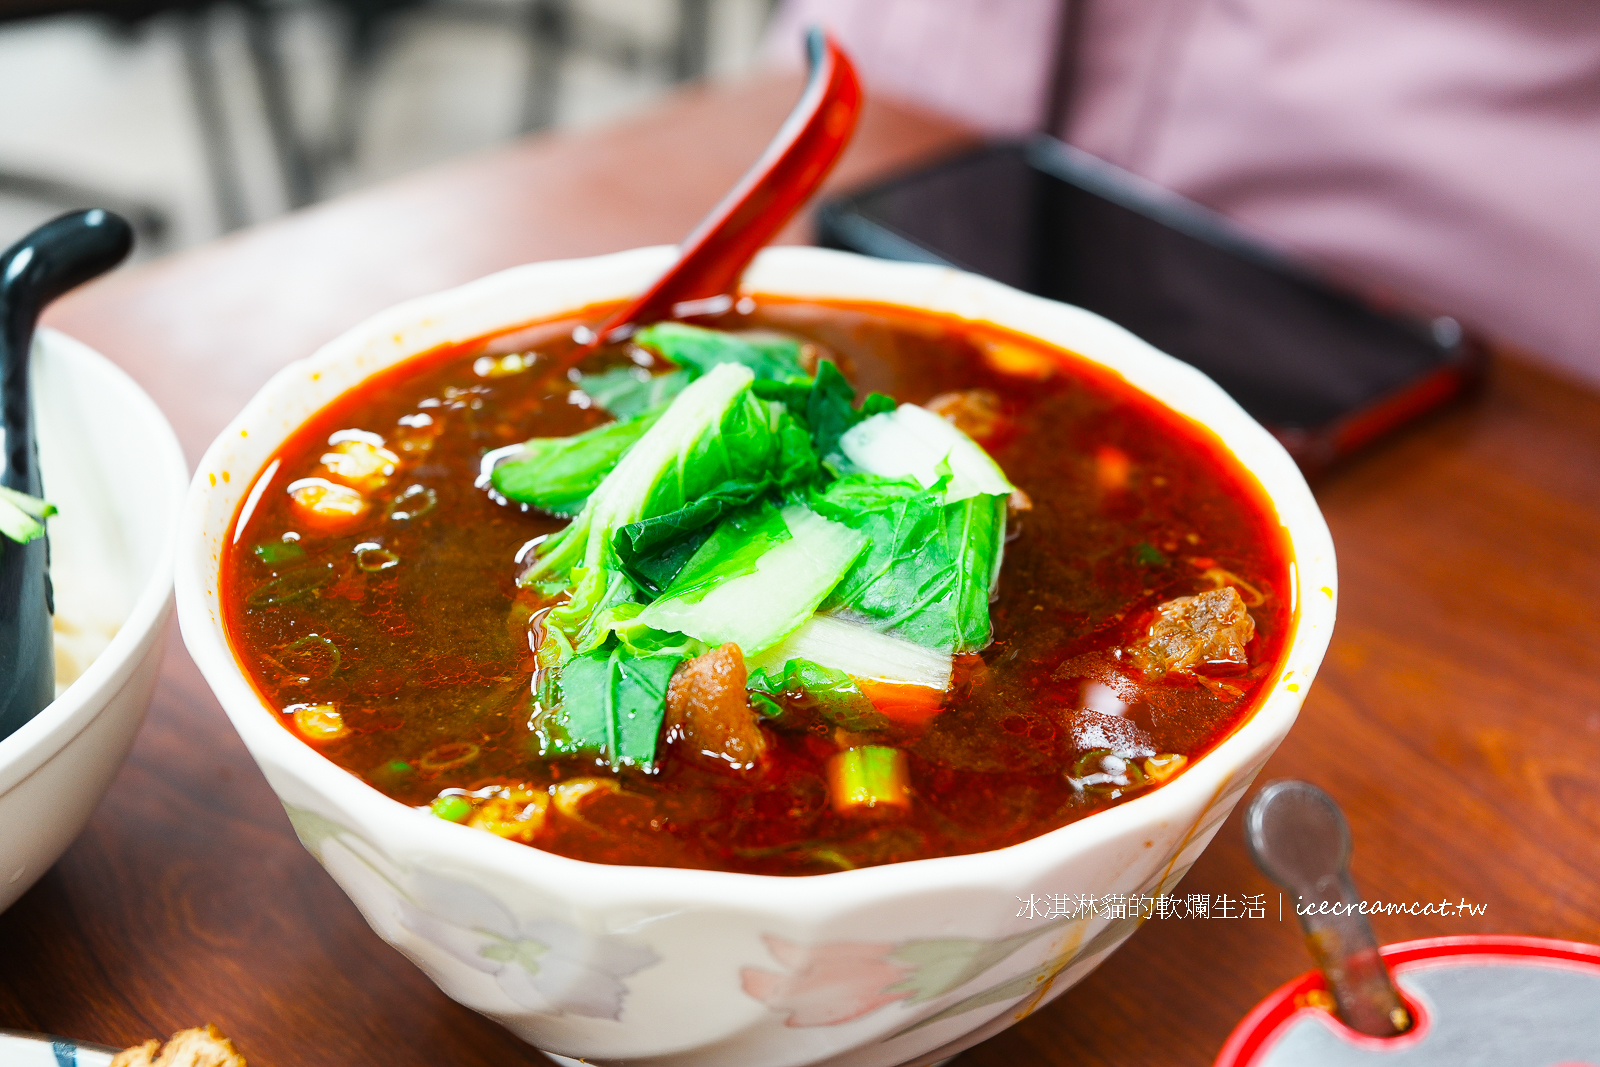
pixel 279 551
pixel 871 776
pixel 22 516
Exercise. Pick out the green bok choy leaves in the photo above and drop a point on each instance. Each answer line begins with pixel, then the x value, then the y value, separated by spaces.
pixel 739 498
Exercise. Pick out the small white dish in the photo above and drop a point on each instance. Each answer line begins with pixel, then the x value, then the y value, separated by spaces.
pixel 111 464
pixel 21 1049
pixel 898 964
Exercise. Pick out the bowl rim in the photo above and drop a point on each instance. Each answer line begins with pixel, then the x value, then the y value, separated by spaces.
pixel 41 738
pixel 776 271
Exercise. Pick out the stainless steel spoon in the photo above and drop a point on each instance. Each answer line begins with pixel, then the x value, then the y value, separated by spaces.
pixel 1299 838
pixel 56 257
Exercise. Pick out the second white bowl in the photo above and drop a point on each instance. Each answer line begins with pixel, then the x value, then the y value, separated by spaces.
pixel 111 464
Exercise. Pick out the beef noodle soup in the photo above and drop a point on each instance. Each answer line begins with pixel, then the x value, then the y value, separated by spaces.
pixel 808 588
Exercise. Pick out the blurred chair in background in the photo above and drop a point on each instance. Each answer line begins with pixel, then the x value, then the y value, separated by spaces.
pixel 552 30
pixel 149 220
pixel 290 95
pixel 217 136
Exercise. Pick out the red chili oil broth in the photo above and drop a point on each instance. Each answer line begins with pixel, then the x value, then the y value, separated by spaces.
pixel 425 650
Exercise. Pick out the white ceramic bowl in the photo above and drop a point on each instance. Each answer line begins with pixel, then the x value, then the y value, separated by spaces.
pixel 111 464
pixel 903 963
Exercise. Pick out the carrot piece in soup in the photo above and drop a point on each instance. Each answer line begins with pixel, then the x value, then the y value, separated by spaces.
pixel 910 705
pixel 709 713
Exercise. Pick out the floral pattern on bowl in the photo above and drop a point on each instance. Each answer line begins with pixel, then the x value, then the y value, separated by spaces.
pixel 542 965
pixel 834 983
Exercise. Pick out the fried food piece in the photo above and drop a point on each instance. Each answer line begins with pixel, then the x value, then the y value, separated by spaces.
pixel 709 713
pixel 137 1056
pixel 1212 628
pixel 325 506
pixel 203 1046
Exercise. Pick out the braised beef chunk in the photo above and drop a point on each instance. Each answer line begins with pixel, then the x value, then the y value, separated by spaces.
pixel 709 713
pixel 975 412
pixel 1194 631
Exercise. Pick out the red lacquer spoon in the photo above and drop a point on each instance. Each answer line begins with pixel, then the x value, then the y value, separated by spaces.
pixel 715 254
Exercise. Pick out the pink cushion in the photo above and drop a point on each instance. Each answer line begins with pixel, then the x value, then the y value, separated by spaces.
pixel 1448 152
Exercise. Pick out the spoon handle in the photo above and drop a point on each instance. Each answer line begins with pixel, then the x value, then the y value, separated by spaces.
pixel 716 253
pixel 1299 838
pixel 52 259
pixel 1347 954
pixel 61 254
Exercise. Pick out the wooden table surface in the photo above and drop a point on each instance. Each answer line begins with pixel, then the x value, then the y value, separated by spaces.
pixel 1457 717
